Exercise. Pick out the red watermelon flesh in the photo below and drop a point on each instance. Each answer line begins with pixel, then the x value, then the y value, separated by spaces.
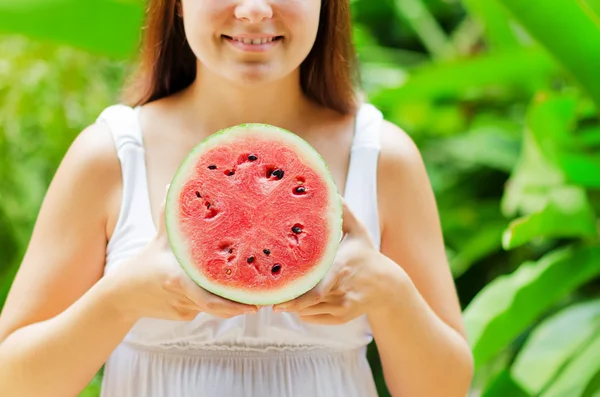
pixel 253 215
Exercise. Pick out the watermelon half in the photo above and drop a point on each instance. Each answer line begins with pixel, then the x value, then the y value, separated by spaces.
pixel 253 215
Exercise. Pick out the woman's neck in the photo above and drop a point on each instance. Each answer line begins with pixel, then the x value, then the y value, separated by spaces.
pixel 216 102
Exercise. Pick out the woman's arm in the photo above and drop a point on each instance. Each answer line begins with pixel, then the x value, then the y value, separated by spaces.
pixel 419 331
pixel 49 345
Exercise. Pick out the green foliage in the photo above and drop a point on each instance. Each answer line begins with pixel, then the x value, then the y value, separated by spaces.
pixel 501 96
pixel 575 46
pixel 510 303
pixel 551 345
pixel 110 27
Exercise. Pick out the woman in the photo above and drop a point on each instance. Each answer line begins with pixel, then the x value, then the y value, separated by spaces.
pixel 99 283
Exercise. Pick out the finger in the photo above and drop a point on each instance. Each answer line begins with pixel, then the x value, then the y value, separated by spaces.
pixel 350 223
pixel 161 226
pixel 185 303
pixel 218 304
pixel 210 301
pixel 334 308
pixel 312 297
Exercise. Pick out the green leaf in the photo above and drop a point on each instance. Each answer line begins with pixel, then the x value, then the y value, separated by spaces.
pixel 589 137
pixel 496 22
pixel 108 27
pixel 480 245
pixel 487 145
pixel 582 169
pixel 569 30
pixel 537 172
pixel 472 229
pixel 552 157
pixel 594 5
pixel 567 213
pixel 579 373
pixel 418 16
pixel 506 306
pixel 553 343
pixel 516 68
pixel 504 385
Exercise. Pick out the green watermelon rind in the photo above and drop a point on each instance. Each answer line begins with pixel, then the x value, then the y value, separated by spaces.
pixel 296 287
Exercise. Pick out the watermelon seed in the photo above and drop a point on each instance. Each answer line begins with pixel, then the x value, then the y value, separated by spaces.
pixel 297 229
pixel 252 157
pixel 229 172
pixel 207 206
pixel 198 195
pixel 228 271
pixel 212 167
pixel 300 190
pixel 267 252
pixel 230 250
pixel 276 268
pixel 251 259
pixel 278 173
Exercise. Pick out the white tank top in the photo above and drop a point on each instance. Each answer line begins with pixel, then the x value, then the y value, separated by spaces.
pixel 260 354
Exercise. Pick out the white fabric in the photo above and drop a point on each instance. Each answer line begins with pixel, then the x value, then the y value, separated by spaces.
pixel 262 354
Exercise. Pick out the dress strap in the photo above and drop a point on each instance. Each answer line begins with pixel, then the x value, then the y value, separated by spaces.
pixel 122 122
pixel 368 127
pixel 361 184
pixel 135 215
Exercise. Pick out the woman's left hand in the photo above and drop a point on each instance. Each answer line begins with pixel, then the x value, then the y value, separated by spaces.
pixel 357 283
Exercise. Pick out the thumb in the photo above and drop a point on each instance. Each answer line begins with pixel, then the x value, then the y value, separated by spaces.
pixel 350 223
pixel 161 227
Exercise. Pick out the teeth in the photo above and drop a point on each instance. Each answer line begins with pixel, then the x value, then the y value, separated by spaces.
pixel 254 41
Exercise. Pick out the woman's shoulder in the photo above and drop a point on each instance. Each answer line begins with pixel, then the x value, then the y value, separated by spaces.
pixel 91 166
pixel 401 168
pixel 93 150
pixel 398 149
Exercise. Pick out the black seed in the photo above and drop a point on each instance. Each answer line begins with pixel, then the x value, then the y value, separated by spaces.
pixel 300 189
pixel 212 167
pixel 198 195
pixel 231 250
pixel 252 157
pixel 278 173
pixel 207 206
pixel 230 172
pixel 251 259
pixel 276 268
pixel 267 252
pixel 296 229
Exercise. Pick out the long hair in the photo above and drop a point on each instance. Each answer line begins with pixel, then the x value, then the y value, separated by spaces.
pixel 167 64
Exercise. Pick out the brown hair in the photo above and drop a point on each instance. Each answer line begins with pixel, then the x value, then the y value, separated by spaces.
pixel 167 64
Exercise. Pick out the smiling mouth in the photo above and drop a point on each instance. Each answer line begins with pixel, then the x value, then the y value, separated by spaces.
pixel 255 41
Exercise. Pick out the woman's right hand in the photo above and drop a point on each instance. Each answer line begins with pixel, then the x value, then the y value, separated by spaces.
pixel 153 284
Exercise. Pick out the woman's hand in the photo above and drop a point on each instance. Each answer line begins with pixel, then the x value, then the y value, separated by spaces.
pixel 357 283
pixel 153 284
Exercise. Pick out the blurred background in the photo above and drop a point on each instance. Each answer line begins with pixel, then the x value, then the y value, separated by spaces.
pixel 502 98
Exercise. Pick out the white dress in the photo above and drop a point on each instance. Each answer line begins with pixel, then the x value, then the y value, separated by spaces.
pixel 262 354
